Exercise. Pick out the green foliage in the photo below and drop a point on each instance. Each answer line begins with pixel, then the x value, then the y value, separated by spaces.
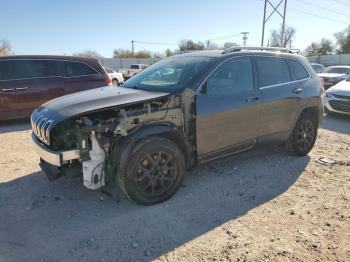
pixel 343 41
pixel 168 52
pixel 126 53
pixel 229 44
pixel 190 45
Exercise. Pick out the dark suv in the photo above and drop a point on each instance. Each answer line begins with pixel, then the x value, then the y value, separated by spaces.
pixel 26 82
pixel 178 113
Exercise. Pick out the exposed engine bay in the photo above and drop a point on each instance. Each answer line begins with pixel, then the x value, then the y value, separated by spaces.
pixel 95 134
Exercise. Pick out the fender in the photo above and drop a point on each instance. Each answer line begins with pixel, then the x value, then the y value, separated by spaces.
pixel 122 147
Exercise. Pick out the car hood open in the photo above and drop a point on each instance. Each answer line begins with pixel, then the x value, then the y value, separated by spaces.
pixel 92 100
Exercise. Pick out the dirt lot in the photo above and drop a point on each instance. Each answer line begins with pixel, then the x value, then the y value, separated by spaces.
pixel 261 205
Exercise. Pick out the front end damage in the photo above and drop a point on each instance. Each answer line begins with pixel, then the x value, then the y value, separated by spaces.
pixel 85 143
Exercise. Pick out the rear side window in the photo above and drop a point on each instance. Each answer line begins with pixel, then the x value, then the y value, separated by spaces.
pixel 6 70
pixel 24 69
pixel 78 69
pixel 134 67
pixel 297 70
pixel 272 71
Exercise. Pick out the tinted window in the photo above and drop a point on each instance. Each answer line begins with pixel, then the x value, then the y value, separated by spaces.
pixel 233 76
pixel 20 69
pixel 134 67
pixel 78 69
pixel 36 68
pixel 297 70
pixel 7 70
pixel 272 71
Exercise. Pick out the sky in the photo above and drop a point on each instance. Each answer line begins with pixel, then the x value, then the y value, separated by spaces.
pixel 69 26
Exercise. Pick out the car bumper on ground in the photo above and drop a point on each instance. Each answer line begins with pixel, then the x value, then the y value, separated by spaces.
pixel 337 105
pixel 56 158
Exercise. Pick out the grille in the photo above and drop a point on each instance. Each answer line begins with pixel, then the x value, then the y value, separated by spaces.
pixel 339 105
pixel 342 97
pixel 41 126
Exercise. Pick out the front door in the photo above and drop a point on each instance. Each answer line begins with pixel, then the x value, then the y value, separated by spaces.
pixel 227 107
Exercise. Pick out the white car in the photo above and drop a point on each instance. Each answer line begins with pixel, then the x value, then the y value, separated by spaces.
pixel 337 98
pixel 334 74
pixel 117 78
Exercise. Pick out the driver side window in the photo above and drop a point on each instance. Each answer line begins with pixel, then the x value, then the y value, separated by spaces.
pixel 233 76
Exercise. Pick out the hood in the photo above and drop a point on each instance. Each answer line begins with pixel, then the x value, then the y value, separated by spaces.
pixel 330 75
pixel 342 89
pixel 91 100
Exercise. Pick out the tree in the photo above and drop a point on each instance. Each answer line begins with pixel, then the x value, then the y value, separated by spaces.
pixel 5 47
pixel 168 52
pixel 276 34
pixel 324 47
pixel 122 53
pixel 190 45
pixel 343 41
pixel 229 44
pixel 88 53
pixel 143 54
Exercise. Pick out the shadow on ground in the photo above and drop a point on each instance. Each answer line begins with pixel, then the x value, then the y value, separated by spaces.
pixel 14 125
pixel 336 123
pixel 61 220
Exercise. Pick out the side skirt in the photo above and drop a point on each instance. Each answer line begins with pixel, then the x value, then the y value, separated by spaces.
pixel 226 151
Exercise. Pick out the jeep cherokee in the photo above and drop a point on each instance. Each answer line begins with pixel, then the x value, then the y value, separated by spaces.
pixel 179 113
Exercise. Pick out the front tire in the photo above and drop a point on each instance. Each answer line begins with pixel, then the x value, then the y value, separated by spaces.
pixel 303 136
pixel 153 171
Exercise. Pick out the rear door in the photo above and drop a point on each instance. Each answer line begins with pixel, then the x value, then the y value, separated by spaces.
pixel 227 107
pixel 38 81
pixel 7 89
pixel 282 91
pixel 80 76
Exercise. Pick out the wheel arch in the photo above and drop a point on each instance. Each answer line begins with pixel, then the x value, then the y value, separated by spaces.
pixel 123 147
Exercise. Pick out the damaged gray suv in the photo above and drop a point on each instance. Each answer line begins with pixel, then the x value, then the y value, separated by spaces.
pixel 177 114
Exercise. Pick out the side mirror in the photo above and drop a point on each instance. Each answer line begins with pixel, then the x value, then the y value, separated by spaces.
pixel 204 89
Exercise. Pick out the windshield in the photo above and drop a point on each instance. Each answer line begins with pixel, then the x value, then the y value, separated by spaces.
pixel 318 68
pixel 169 74
pixel 337 70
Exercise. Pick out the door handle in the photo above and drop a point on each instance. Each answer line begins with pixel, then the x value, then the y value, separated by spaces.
pixel 252 99
pixel 297 90
pixel 22 88
pixel 8 89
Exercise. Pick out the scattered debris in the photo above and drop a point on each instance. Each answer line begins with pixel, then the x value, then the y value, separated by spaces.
pixel 326 161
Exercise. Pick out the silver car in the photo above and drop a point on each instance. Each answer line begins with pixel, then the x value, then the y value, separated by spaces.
pixel 337 98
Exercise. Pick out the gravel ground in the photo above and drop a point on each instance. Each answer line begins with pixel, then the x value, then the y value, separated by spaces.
pixel 261 205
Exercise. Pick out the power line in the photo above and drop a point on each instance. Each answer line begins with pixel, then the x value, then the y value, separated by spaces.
pixel 319 16
pixel 224 37
pixel 323 8
pixel 340 2
pixel 153 43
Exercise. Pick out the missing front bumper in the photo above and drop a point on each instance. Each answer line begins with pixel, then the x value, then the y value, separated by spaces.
pixel 56 158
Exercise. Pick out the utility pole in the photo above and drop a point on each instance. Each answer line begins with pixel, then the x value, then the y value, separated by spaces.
pixel 132 47
pixel 283 24
pixel 275 9
pixel 245 37
pixel 208 43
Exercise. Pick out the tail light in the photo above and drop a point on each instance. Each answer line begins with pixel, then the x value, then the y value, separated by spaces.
pixel 322 81
pixel 129 71
pixel 108 81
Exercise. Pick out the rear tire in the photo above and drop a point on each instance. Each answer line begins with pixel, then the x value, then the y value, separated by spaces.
pixel 303 136
pixel 153 171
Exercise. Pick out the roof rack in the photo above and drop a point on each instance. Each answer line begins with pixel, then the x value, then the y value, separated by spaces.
pixel 261 48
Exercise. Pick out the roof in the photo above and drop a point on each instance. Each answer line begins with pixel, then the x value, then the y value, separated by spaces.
pixel 54 57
